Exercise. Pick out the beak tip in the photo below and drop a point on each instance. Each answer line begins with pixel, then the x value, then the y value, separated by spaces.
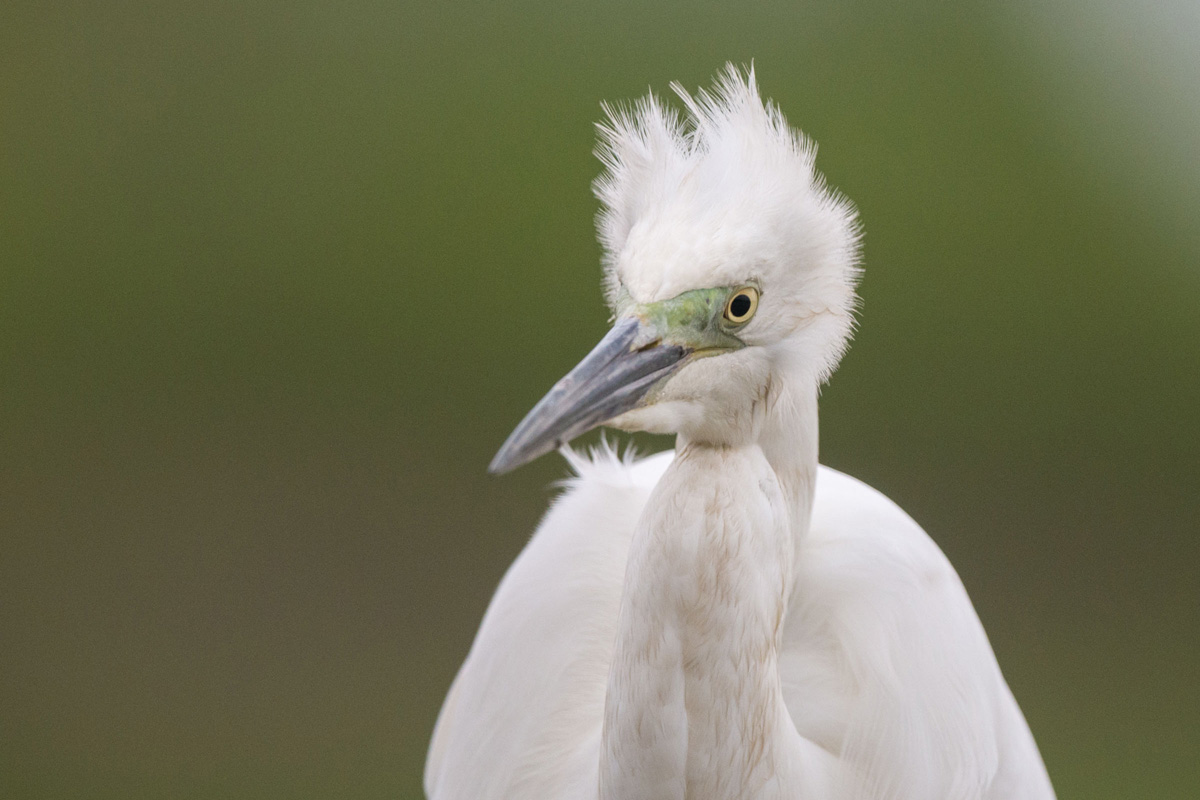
pixel 508 459
pixel 518 454
pixel 499 465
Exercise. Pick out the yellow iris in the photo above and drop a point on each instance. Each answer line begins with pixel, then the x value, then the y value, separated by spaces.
pixel 742 305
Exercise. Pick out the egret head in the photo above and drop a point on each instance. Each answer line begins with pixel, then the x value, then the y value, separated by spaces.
pixel 729 267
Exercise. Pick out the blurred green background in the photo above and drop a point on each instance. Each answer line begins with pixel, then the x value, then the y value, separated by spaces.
pixel 276 280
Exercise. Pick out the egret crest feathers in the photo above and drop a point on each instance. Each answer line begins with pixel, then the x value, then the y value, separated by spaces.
pixel 723 193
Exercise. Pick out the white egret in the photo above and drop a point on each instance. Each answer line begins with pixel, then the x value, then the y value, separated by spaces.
pixel 730 620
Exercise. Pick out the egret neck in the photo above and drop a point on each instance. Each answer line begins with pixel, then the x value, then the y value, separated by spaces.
pixel 694 706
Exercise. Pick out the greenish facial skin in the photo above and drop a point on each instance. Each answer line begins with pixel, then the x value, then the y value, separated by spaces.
pixel 694 320
pixel 648 343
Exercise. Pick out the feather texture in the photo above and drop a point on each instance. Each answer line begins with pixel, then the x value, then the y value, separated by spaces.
pixel 725 192
pixel 884 665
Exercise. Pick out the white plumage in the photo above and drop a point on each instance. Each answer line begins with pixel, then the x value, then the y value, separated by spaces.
pixel 729 620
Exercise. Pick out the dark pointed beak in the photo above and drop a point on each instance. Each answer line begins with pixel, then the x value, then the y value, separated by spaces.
pixel 614 378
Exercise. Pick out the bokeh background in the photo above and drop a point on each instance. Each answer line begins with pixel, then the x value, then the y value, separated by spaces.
pixel 276 280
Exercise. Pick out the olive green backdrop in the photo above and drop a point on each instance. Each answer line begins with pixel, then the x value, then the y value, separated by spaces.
pixel 276 280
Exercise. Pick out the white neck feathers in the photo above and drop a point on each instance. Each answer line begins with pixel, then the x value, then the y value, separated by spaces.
pixel 694 705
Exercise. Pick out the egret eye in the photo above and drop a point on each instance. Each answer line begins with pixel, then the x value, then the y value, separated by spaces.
pixel 742 305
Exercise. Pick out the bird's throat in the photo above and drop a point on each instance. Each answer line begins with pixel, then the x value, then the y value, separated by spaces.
pixel 694 706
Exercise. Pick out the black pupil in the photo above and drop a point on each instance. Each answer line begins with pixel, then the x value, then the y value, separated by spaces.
pixel 739 306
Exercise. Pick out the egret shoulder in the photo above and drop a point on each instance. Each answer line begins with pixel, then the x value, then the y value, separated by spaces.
pixel 526 707
pixel 886 664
